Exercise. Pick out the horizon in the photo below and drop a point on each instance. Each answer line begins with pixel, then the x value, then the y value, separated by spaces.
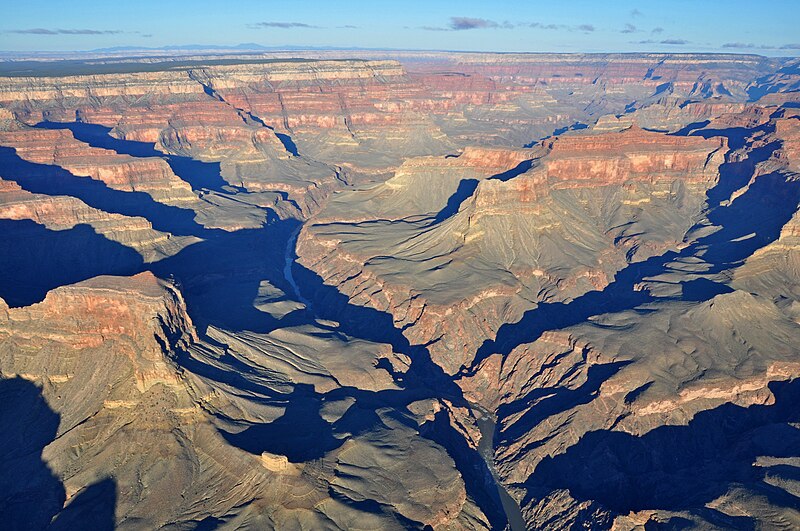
pixel 256 49
pixel 574 26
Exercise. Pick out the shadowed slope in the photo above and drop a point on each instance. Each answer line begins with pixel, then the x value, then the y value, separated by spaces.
pixel 681 468
pixel 761 212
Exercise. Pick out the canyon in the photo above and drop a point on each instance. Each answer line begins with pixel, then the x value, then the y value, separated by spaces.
pixel 358 289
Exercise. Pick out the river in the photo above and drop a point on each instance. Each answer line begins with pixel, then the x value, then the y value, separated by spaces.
pixel 486 425
pixel 287 267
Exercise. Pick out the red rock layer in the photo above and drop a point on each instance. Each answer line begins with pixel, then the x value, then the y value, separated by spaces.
pixel 121 172
pixel 683 70
pixel 631 155
pixel 124 311
pixel 65 212
pixel 495 230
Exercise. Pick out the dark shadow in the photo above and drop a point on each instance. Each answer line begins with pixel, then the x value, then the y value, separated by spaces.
pixel 237 262
pixel 748 223
pixel 209 523
pixel 53 180
pixel 219 278
pixel 372 507
pixel 769 84
pixel 519 169
pixel 200 175
pixel 577 126
pixel 549 401
pixel 300 434
pixel 92 508
pixel 680 468
pixel 30 495
pixel 288 143
pixel 423 379
pixel 663 88
pixel 466 187
pixel 702 289
pixel 249 117
pixel 687 129
pixel 477 477
pixel 34 259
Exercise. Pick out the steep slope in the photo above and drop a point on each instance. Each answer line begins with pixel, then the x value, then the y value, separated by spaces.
pixel 563 227
pixel 112 359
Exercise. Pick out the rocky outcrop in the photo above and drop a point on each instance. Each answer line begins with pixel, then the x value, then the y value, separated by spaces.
pixel 774 270
pixel 622 383
pixel 512 240
pixel 65 212
pixel 119 172
pixel 107 356
pixel 134 317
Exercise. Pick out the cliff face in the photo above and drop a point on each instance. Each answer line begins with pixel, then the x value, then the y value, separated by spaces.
pixel 119 172
pixel 133 317
pixel 106 356
pixel 65 212
pixel 340 111
pixel 633 381
pixel 95 353
pixel 584 209
pixel 634 155
pixel 774 269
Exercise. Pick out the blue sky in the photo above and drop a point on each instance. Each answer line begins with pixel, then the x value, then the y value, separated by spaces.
pixel 768 27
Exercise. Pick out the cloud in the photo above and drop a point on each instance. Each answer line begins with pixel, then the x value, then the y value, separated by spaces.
pixel 739 45
pixel 45 31
pixel 539 25
pixel 347 26
pixel 282 25
pixel 467 23
pixel 753 46
pixel 674 42
pixel 657 30
pixel 636 13
pixel 629 28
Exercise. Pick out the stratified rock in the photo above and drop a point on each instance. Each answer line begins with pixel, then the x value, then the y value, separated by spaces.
pixel 564 227
pixel 65 212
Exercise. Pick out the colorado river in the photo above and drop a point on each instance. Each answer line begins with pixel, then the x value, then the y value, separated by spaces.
pixel 287 267
pixel 486 425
